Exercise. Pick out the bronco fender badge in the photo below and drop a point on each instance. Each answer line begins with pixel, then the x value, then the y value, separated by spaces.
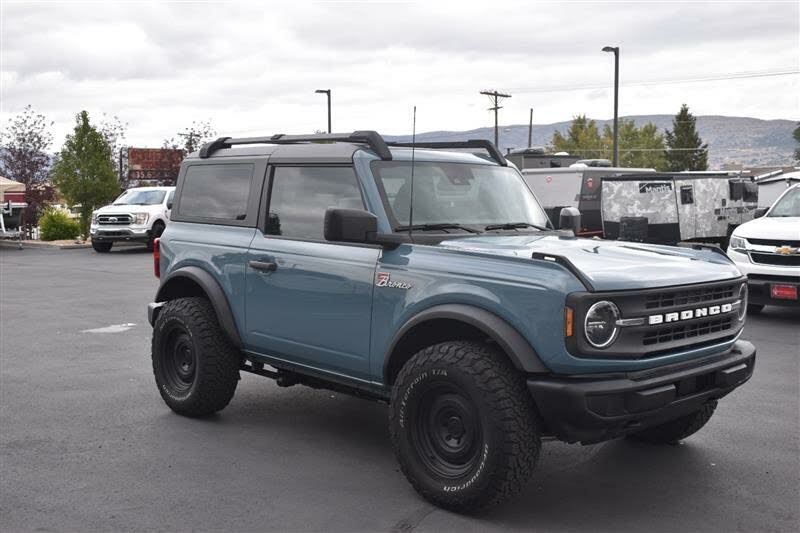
pixel 383 279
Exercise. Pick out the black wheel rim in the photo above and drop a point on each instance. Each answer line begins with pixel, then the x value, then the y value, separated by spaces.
pixel 447 436
pixel 178 360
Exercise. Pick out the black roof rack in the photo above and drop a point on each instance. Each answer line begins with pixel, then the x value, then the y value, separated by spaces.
pixel 371 138
pixel 489 146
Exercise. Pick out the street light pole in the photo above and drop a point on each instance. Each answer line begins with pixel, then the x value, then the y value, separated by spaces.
pixel 328 93
pixel 615 49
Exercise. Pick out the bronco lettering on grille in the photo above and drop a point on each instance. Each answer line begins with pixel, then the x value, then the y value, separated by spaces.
pixel 689 314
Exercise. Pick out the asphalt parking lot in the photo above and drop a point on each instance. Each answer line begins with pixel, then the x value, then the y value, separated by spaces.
pixel 87 444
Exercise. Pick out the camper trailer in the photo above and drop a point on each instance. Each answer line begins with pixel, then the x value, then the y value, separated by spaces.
pixel 674 207
pixel 576 186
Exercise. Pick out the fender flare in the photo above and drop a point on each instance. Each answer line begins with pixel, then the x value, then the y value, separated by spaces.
pixel 518 349
pixel 216 295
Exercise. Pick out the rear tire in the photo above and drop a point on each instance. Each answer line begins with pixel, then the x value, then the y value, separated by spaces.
pixel 463 426
pixel 102 247
pixel 754 309
pixel 195 365
pixel 675 430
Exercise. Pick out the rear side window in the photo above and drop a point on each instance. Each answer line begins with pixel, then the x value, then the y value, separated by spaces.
pixel 216 191
pixel 300 196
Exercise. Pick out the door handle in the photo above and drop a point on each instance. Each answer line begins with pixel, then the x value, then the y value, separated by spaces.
pixel 263 266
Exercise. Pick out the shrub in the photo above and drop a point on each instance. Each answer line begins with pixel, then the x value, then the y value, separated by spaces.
pixel 56 225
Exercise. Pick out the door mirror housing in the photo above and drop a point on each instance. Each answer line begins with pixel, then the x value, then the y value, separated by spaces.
pixel 350 225
pixel 570 219
pixel 169 204
pixel 760 212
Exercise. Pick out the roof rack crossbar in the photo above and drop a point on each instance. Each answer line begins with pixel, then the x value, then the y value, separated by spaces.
pixel 370 138
pixel 489 146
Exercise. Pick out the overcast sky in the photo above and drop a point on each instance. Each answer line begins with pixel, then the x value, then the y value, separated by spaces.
pixel 252 67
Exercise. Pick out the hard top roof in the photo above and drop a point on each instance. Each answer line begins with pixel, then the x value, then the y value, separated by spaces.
pixel 341 148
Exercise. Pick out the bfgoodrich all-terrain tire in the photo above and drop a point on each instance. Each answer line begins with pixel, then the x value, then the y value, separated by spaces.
pixel 678 429
pixel 195 365
pixel 463 426
pixel 102 247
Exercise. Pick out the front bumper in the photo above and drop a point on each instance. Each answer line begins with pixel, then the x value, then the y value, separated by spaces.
pixel 117 234
pixel 760 278
pixel 760 290
pixel 601 407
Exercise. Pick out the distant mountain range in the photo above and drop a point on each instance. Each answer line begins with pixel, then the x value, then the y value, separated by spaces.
pixel 731 140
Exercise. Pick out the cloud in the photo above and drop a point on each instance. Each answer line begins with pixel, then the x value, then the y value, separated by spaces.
pixel 252 67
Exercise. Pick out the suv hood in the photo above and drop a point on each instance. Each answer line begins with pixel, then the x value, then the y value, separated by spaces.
pixel 611 265
pixel 775 228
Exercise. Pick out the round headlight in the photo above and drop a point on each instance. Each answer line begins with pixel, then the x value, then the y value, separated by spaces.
pixel 742 301
pixel 600 324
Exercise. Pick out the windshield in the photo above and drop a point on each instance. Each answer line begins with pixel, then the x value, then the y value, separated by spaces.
pixel 132 197
pixel 473 196
pixel 788 206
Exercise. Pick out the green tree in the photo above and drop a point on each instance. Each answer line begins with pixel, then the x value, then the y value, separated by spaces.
pixel 583 139
pixel 84 172
pixel 685 148
pixel 796 135
pixel 638 147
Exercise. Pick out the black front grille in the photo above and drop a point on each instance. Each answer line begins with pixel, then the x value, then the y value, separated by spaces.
pixel 702 295
pixel 775 259
pixel 114 220
pixel 689 331
pixel 774 242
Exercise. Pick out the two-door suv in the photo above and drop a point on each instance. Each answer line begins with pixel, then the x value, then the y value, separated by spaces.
pixel 428 276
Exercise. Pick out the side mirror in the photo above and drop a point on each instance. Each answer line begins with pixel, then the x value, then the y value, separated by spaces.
pixel 570 218
pixel 169 205
pixel 760 212
pixel 350 225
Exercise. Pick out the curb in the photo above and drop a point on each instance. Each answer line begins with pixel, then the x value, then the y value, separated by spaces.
pixel 39 244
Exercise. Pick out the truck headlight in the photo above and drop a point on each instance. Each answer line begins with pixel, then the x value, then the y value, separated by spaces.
pixel 140 219
pixel 737 243
pixel 600 324
pixel 94 219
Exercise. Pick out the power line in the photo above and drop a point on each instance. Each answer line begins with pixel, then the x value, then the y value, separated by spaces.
pixel 721 77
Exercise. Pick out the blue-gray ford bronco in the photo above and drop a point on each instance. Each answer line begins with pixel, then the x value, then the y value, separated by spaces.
pixel 427 276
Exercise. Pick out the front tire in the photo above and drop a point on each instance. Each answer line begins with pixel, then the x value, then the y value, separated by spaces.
pixel 675 430
pixel 102 247
pixel 463 426
pixel 155 233
pixel 195 365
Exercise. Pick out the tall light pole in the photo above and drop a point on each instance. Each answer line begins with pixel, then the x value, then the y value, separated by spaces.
pixel 327 92
pixel 615 49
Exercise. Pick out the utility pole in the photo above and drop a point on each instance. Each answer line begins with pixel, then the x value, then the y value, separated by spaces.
pixel 530 130
pixel 495 97
pixel 327 92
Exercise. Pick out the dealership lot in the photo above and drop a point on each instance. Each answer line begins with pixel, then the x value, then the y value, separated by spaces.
pixel 87 444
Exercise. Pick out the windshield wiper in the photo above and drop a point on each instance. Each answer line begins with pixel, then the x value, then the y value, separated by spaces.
pixel 515 225
pixel 433 227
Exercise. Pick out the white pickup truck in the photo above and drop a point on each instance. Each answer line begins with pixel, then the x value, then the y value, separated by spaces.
pixel 767 249
pixel 139 214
